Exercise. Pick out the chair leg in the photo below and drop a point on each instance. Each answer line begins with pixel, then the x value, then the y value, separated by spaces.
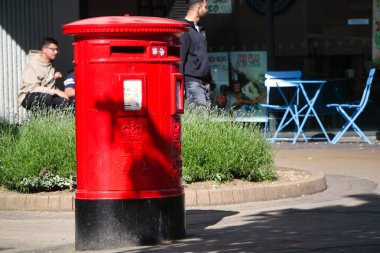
pixel 344 128
pixel 360 133
pixel 266 129
pixel 350 122
pixel 339 134
pixel 272 124
pixel 281 125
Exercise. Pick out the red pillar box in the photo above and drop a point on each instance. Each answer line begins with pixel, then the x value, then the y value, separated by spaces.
pixel 129 101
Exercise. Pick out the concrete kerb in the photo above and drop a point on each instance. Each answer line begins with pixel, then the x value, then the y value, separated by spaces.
pixel 65 201
pixel 315 183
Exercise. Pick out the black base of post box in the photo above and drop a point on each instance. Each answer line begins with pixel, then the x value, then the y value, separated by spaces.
pixel 112 223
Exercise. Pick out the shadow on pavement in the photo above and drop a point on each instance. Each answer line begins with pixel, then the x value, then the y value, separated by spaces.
pixel 338 228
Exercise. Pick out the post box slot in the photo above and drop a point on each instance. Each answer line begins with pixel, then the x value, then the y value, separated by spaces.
pixel 127 50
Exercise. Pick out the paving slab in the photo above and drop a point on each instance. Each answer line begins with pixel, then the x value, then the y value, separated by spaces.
pixel 343 218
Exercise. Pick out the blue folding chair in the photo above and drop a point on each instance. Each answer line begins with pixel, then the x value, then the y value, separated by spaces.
pixel 357 110
pixel 288 106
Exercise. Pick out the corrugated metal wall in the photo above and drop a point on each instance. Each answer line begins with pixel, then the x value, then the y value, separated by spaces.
pixel 23 23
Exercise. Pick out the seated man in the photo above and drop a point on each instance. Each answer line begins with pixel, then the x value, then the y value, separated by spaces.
pixel 37 87
pixel 69 84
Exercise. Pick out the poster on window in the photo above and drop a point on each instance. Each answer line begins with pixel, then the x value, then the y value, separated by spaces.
pixel 247 89
pixel 219 6
pixel 220 75
pixel 376 34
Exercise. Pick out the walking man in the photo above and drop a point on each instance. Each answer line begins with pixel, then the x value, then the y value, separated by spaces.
pixel 194 57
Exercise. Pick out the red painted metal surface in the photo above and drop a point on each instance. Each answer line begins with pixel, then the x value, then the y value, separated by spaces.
pixel 129 100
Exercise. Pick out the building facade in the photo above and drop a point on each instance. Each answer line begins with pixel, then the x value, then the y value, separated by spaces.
pixel 332 40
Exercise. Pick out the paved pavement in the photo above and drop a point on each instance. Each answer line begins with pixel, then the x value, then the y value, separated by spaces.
pixel 343 218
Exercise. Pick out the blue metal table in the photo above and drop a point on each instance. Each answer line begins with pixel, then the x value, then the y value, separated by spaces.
pixel 293 108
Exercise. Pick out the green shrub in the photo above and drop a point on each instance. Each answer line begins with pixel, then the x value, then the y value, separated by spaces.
pixel 39 154
pixel 45 142
pixel 216 149
pixel 7 134
pixel 47 182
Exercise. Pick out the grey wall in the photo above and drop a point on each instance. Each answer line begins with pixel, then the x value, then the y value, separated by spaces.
pixel 64 11
pixel 23 23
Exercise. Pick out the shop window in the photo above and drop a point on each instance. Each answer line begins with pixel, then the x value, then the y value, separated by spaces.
pixel 152 8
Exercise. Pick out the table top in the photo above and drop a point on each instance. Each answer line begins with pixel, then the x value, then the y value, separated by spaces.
pixel 290 82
